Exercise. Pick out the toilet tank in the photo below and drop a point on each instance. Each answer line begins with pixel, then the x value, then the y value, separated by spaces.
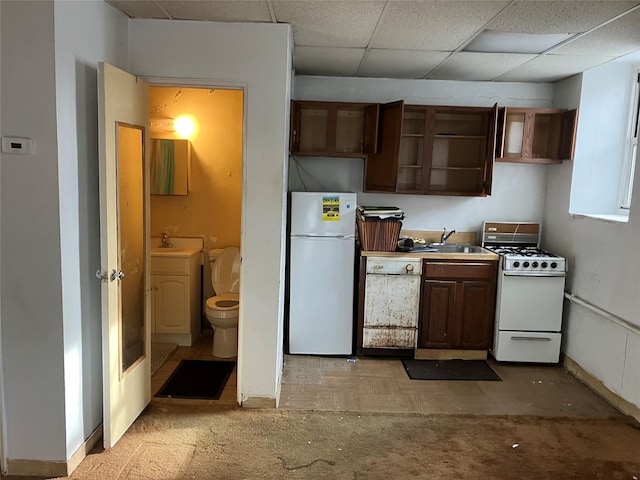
pixel 214 253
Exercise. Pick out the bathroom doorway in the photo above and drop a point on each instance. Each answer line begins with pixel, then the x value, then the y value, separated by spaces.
pixel 209 208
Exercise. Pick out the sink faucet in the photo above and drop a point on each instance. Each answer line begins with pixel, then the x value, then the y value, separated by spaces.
pixel 166 243
pixel 445 235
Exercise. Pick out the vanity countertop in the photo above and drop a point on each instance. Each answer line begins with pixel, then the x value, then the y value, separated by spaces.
pixel 181 247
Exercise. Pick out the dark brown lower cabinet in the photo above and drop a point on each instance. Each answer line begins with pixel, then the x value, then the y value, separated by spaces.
pixel 458 305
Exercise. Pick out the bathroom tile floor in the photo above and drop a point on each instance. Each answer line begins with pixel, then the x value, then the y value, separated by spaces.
pixel 367 384
pixel 200 350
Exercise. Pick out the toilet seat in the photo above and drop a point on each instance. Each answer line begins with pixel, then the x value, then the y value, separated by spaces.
pixel 223 306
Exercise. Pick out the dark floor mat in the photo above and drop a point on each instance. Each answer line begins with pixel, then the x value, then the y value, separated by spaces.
pixel 197 379
pixel 477 370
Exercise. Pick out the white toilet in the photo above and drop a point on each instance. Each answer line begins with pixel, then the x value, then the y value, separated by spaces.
pixel 223 309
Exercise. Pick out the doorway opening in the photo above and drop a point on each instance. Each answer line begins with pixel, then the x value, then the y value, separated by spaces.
pixel 197 196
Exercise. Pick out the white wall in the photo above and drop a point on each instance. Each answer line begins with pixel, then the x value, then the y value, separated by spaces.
pixel 85 33
pixel 258 57
pixel 32 319
pixel 604 269
pixel 526 183
pixel 51 344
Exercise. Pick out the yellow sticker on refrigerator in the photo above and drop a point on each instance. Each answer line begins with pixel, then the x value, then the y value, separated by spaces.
pixel 330 209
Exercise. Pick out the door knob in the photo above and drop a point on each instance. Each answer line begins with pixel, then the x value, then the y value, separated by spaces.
pixel 119 275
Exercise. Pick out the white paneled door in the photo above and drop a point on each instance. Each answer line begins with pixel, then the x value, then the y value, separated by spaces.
pixel 123 111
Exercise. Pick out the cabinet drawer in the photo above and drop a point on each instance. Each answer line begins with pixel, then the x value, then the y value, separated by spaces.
pixel 538 347
pixel 462 271
pixel 389 338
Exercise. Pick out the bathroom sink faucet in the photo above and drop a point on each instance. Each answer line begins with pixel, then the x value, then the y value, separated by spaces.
pixel 445 235
pixel 166 243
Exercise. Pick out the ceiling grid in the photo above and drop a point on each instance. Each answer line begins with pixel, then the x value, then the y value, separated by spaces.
pixel 426 39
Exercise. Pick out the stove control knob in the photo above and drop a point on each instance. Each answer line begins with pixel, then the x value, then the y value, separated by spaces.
pixel 516 264
pixel 544 264
pixel 534 264
pixel 525 264
pixel 554 264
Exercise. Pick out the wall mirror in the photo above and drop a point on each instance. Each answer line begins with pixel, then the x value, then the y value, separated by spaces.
pixel 170 160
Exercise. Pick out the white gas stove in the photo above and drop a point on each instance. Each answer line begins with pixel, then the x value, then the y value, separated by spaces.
pixel 529 260
pixel 530 293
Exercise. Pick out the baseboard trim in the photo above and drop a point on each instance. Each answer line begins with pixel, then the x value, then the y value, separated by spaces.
pixel 619 403
pixel 51 468
pixel 36 468
pixel 444 354
pixel 259 402
pixel 84 450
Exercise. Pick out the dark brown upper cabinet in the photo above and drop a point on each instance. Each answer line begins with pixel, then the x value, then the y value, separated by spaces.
pixel 536 135
pixel 333 129
pixel 433 150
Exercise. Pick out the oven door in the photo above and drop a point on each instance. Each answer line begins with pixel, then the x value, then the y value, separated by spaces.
pixel 529 303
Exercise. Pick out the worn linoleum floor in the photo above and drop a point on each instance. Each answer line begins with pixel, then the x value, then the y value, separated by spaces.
pixel 381 385
pixel 524 407
pixel 368 384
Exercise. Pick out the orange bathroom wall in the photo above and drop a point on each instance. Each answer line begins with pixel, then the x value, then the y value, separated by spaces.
pixel 212 209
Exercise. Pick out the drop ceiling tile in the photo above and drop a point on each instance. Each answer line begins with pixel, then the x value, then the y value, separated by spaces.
pixel 400 63
pixel 550 68
pixel 330 23
pixel 337 62
pixel 139 8
pixel 541 16
pixel 614 39
pixel 478 66
pixel 432 25
pixel 219 10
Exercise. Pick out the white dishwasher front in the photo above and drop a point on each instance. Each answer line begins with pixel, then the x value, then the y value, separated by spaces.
pixel 391 302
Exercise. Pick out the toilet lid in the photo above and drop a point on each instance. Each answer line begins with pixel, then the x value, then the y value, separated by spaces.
pixel 226 272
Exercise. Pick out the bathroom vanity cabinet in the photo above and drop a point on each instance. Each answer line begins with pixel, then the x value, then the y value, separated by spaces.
pixel 175 288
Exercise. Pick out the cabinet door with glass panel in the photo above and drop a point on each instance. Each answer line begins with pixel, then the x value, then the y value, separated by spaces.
pixel 447 150
pixel 433 150
pixel 535 135
pixel 333 129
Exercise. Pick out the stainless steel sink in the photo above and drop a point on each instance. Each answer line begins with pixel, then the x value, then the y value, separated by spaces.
pixel 456 248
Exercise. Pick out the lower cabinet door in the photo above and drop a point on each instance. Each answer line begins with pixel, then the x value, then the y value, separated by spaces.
pixel 438 314
pixel 389 337
pixel 476 325
pixel 171 303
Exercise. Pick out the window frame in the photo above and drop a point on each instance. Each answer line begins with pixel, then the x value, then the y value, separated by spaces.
pixel 631 156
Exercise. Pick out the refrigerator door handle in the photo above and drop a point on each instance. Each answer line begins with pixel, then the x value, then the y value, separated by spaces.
pixel 341 237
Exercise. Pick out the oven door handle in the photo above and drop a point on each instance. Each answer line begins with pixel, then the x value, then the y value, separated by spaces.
pixel 533 339
pixel 533 274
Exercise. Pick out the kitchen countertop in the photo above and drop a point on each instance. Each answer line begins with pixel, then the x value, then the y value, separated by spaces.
pixel 486 255
pixel 465 238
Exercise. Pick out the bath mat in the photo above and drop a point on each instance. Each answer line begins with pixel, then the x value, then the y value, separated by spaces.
pixel 477 370
pixel 203 379
pixel 160 353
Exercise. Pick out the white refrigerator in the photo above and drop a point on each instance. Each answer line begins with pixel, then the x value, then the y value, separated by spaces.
pixel 321 267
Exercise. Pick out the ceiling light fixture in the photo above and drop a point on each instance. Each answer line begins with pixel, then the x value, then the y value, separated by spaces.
pixel 492 41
